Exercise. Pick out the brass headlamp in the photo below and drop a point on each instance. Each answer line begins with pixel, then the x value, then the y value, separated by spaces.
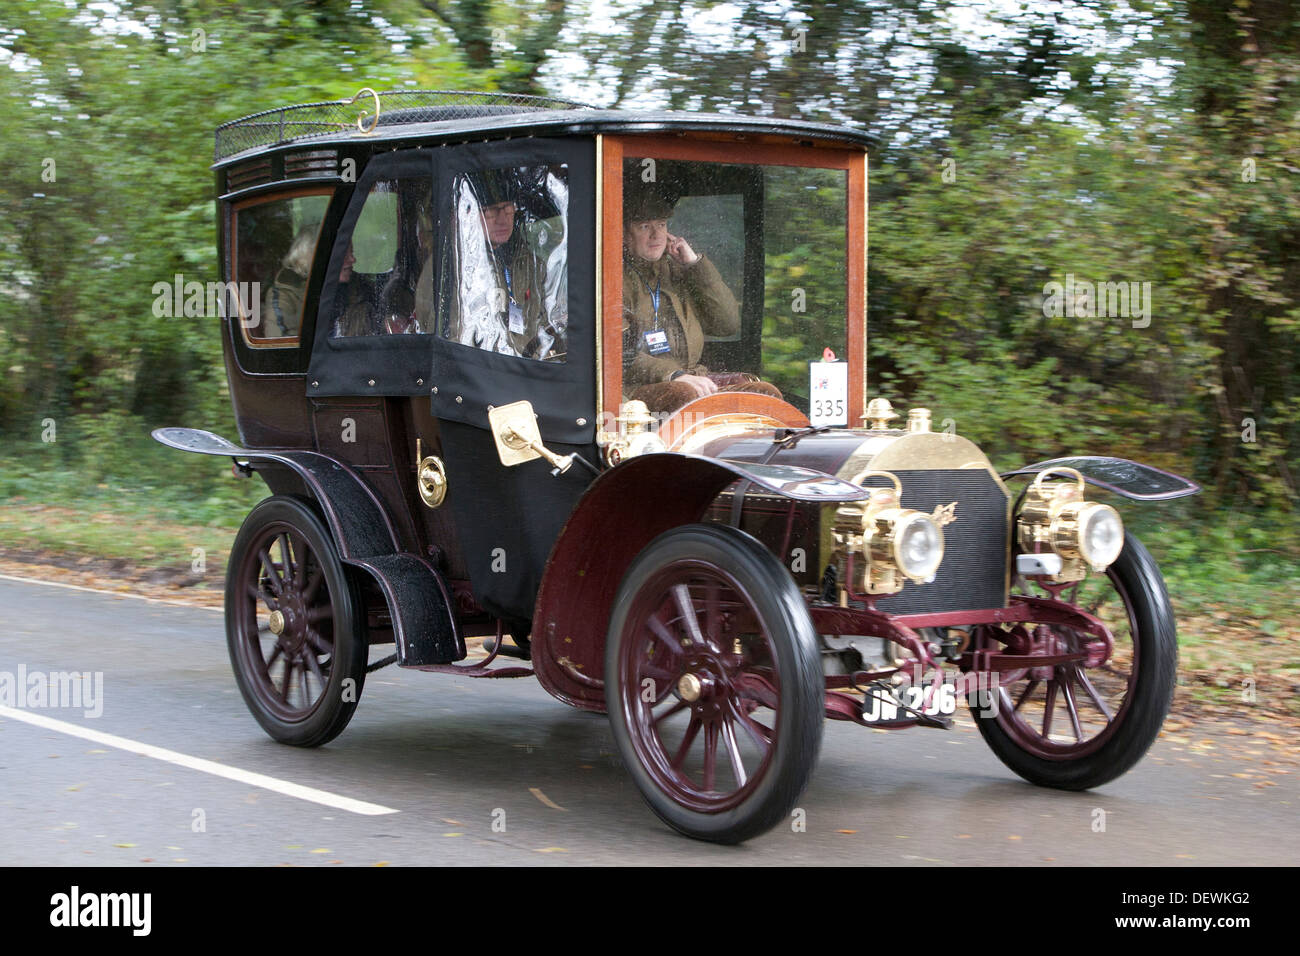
pixel 1055 517
pixel 888 543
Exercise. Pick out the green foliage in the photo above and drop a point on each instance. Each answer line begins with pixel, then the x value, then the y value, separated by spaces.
pixel 1219 560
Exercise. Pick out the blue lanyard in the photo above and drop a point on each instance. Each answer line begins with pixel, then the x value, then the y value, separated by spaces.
pixel 654 297
pixel 509 292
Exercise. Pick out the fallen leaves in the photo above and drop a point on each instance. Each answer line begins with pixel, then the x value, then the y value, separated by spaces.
pixel 544 799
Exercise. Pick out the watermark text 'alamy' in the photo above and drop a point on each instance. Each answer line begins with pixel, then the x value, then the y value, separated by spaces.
pixel 1080 299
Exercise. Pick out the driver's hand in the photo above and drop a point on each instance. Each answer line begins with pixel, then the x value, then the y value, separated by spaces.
pixel 703 385
pixel 681 250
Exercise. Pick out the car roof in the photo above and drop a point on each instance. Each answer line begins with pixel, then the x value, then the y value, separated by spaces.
pixel 448 115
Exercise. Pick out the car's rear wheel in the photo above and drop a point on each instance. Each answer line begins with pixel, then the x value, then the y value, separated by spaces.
pixel 713 683
pixel 294 625
pixel 1079 725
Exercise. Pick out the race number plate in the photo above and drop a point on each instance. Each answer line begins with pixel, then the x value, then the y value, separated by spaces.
pixel 828 393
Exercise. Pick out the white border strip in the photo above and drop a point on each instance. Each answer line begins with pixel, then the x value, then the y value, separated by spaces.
pixel 198 763
pixel 117 594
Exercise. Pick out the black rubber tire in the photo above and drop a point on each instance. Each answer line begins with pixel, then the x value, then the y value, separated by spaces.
pixel 779 604
pixel 335 707
pixel 1152 621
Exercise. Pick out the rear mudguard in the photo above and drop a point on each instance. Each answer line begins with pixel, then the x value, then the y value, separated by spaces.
pixel 1128 478
pixel 419 602
pixel 622 511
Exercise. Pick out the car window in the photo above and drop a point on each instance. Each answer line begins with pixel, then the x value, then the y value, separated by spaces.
pixel 734 273
pixel 275 245
pixel 385 283
pixel 375 236
pixel 506 285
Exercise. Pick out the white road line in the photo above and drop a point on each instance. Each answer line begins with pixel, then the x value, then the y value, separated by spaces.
pixel 198 763
pixel 120 594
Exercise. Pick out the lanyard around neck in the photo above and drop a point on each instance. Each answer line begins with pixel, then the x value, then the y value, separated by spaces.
pixel 654 295
pixel 510 293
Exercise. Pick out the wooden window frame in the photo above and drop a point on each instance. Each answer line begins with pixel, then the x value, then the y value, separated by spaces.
pixel 262 199
pixel 611 151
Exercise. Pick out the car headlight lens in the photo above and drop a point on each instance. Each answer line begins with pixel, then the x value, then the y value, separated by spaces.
pixel 879 543
pixel 1101 535
pixel 1056 517
pixel 918 547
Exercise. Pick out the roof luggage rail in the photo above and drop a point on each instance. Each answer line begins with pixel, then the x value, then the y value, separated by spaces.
pixel 288 123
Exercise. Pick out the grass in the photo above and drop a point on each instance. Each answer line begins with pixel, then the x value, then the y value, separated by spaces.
pixel 1230 575
pixel 167 525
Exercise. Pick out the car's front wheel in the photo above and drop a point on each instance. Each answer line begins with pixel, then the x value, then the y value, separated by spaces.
pixel 1078 725
pixel 713 683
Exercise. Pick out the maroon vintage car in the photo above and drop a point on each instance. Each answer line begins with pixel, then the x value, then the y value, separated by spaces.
pixel 594 382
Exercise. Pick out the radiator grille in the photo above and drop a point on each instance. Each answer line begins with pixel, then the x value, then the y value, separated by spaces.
pixel 974 569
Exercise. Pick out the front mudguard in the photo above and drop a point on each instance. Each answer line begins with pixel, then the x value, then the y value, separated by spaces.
pixel 1131 479
pixel 622 511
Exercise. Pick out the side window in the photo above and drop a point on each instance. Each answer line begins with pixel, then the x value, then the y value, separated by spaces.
pixel 385 286
pixel 275 245
pixel 506 288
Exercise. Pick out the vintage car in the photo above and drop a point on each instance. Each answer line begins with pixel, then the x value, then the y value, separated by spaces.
pixel 594 382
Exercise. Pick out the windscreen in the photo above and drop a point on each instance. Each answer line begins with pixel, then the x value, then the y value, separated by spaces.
pixel 734 278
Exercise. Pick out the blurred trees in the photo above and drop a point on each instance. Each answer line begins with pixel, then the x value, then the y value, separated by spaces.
pixel 1114 140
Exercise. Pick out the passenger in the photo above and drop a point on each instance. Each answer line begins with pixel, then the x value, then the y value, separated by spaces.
pixel 282 307
pixel 422 315
pixel 352 312
pixel 407 296
pixel 500 302
pixel 672 298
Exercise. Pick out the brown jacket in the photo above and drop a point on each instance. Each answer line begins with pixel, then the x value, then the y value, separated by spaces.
pixel 701 305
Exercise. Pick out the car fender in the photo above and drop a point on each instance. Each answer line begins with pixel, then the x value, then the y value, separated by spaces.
pixel 419 602
pixel 622 511
pixel 1131 479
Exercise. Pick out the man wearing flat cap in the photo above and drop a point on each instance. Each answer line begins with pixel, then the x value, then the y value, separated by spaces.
pixel 672 298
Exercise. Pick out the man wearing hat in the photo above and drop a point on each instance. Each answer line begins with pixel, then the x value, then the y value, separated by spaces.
pixel 672 298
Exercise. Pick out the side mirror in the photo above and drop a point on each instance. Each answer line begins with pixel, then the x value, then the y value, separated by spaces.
pixel 514 428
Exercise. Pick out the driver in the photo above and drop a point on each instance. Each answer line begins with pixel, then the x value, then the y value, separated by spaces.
pixel 672 298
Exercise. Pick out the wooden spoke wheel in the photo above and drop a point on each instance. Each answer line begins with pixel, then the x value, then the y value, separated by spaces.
pixel 713 683
pixel 1081 724
pixel 293 625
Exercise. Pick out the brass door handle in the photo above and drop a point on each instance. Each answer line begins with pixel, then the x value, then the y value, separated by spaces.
pixel 430 477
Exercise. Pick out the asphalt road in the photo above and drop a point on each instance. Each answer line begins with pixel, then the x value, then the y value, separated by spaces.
pixel 453 755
